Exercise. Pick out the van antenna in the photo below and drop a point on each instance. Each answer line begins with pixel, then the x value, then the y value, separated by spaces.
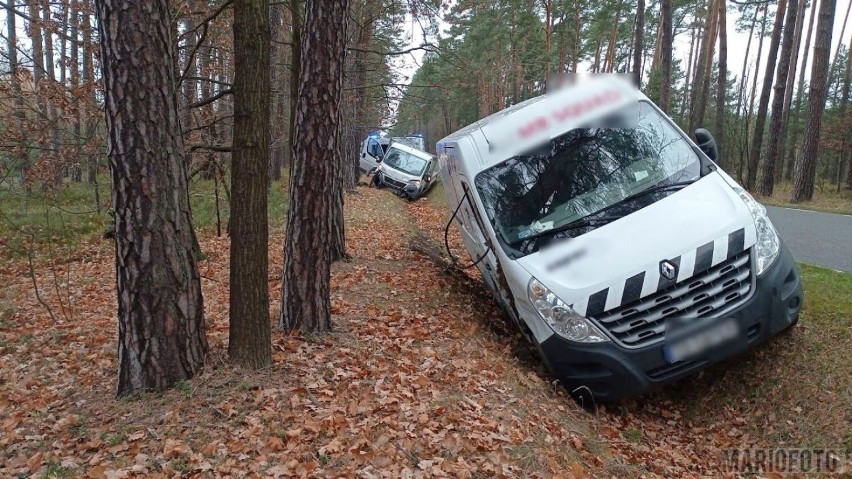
pixel 490 146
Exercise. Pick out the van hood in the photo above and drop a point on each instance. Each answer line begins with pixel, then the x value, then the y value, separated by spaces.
pixel 695 228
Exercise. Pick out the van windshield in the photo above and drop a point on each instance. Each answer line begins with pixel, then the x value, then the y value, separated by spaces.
pixel 584 172
pixel 405 162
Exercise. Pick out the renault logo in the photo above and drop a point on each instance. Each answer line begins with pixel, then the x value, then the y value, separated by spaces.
pixel 668 269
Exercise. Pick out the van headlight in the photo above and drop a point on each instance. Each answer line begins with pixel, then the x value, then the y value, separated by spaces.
pixel 768 244
pixel 563 320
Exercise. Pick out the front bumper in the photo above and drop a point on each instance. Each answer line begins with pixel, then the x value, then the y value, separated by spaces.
pixel 611 371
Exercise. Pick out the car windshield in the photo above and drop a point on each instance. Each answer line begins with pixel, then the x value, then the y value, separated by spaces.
pixel 583 172
pixel 405 162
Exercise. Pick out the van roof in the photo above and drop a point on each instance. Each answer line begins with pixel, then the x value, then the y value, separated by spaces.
pixel 523 126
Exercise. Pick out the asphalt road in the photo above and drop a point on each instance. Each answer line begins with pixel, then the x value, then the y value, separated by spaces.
pixel 822 239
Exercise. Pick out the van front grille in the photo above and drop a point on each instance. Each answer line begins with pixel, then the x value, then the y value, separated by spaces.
pixel 706 294
pixel 399 185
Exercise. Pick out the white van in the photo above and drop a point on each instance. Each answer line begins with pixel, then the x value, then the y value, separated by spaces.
pixel 373 149
pixel 409 171
pixel 626 255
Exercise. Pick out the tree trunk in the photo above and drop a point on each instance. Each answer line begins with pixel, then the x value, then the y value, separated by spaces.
pixel 34 31
pixel 249 342
pixel 763 106
pixel 788 90
pixel 277 104
pixel 792 147
pixel 548 39
pixel 743 82
pixel 160 308
pixel 666 55
pixel 576 47
pixel 705 68
pixel 49 63
pixel 74 73
pixel 638 42
pixel 847 148
pixel 722 85
pixel 88 77
pixel 767 180
pixel 806 166
pixel 296 10
pixel 63 44
pixel 693 52
pixel 305 290
pixel 844 144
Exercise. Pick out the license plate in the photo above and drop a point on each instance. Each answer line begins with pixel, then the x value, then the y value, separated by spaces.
pixel 696 344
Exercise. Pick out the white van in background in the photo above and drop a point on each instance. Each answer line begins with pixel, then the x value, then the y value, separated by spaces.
pixel 409 171
pixel 625 254
pixel 372 151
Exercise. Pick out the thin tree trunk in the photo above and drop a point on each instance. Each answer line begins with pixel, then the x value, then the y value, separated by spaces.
pixel 763 107
pixel 249 342
pixel 305 290
pixel 34 32
pixel 160 308
pixel 88 77
pixel 296 10
pixel 847 136
pixel 773 149
pixel 806 166
pixel 792 147
pixel 688 82
pixel 639 41
pixel 63 44
pixel 722 85
pixel 741 89
pixel 702 84
pixel 666 56
pixel 788 90
pixel 548 38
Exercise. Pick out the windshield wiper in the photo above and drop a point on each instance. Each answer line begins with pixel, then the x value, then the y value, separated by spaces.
pixel 657 188
pixel 574 225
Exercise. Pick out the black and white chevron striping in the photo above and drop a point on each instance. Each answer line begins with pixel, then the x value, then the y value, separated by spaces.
pixel 649 282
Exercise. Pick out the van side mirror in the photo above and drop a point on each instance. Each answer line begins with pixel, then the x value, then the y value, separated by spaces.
pixel 707 143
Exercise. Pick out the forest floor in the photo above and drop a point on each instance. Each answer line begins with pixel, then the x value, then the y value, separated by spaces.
pixel 827 198
pixel 420 379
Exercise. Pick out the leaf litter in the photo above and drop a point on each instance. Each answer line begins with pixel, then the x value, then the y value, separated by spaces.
pixel 419 379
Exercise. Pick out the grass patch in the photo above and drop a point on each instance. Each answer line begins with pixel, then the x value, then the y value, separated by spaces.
pixel 826 199
pixel 795 390
pixel 41 220
pixel 55 222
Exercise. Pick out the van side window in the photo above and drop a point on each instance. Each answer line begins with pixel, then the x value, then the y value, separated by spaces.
pixel 374 149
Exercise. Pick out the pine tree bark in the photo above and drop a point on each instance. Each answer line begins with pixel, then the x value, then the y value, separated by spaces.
pixel 305 291
pixel 806 166
pixel 788 90
pixel 666 55
pixel 705 70
pixel 773 149
pixel 763 106
pixel 296 11
pixel 249 341
pixel 722 82
pixel 277 103
pixel 792 147
pixel 160 309
pixel 639 41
